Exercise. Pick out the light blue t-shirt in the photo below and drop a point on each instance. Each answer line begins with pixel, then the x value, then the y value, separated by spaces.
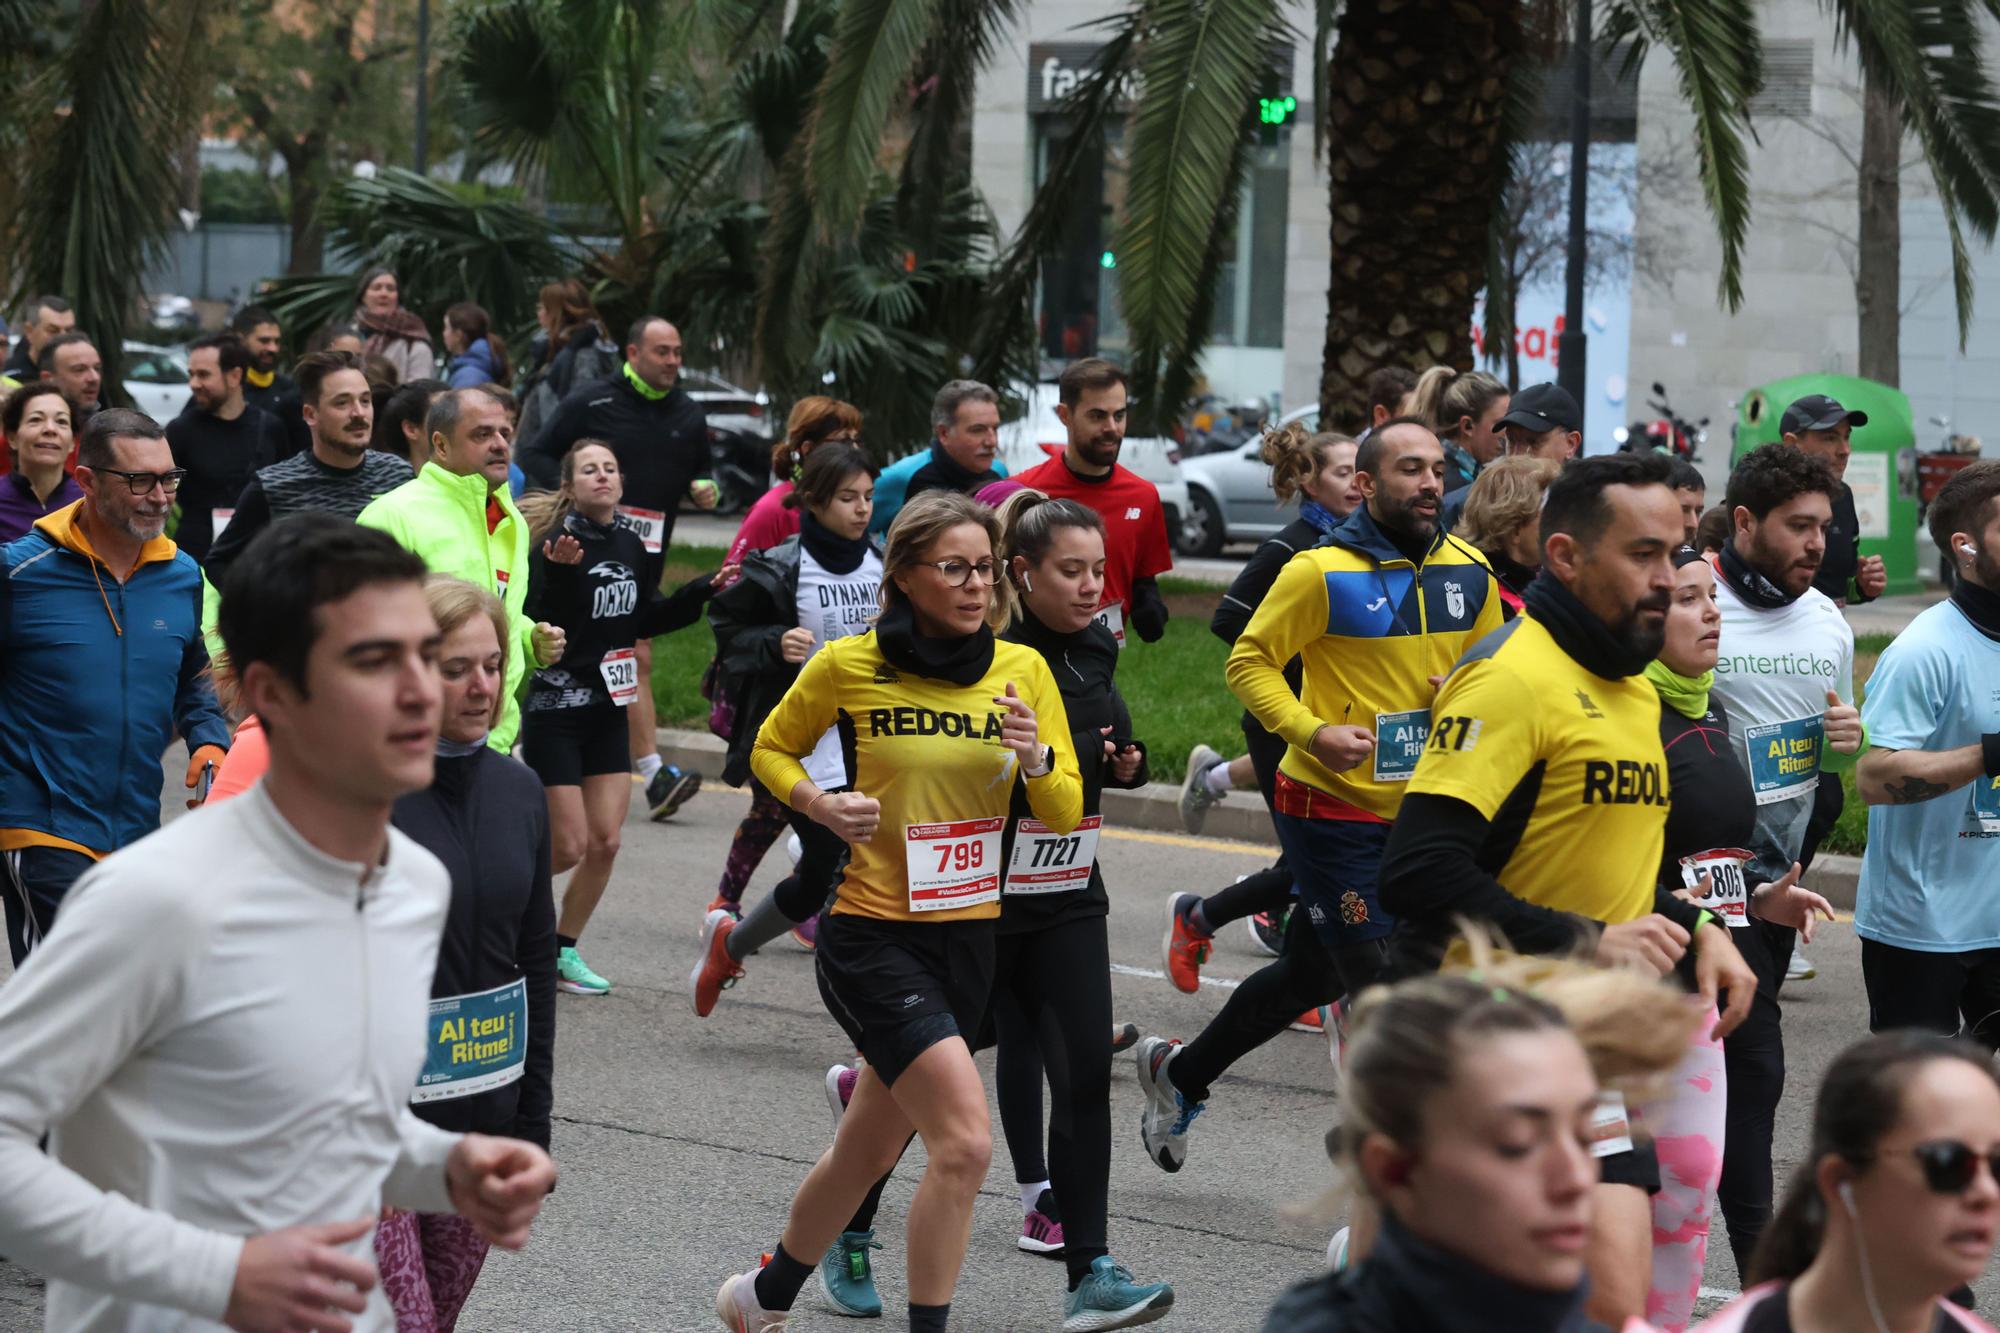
pixel 1930 879
pixel 892 487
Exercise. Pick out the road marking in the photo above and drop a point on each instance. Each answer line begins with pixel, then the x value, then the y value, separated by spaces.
pixel 1154 974
pixel 1199 844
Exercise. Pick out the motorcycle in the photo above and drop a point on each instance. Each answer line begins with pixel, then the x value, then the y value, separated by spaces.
pixel 740 465
pixel 1669 433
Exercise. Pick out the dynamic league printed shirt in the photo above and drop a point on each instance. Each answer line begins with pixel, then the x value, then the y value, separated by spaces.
pixel 930 752
pixel 1930 879
pixel 1773 674
pixel 1565 764
pixel 1135 527
pixel 835 606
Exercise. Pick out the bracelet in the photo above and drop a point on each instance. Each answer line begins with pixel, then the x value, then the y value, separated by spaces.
pixel 1989 753
pixel 807 812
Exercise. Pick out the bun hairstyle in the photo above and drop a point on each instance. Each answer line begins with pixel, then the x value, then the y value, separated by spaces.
pixel 1028 523
pixel 1445 396
pixel 824 472
pixel 1295 455
pixel 813 418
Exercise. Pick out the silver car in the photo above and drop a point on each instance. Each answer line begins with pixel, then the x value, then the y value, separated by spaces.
pixel 1229 495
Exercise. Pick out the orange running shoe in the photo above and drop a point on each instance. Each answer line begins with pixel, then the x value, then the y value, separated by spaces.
pixel 716 971
pixel 1184 950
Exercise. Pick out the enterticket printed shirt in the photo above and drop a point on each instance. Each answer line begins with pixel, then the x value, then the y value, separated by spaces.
pixel 1930 879
pixel 1773 674
pixel 835 606
pixel 930 752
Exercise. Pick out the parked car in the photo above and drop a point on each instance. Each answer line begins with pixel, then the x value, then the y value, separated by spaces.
pixel 156 379
pixel 740 435
pixel 1229 494
pixel 1039 435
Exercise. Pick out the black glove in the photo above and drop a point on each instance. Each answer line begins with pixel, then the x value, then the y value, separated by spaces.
pixel 1149 612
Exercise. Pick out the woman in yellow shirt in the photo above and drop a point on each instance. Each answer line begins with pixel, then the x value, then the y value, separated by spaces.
pixel 936 717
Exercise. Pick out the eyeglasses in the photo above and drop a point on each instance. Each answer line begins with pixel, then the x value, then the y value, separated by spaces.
pixel 958 573
pixel 142 483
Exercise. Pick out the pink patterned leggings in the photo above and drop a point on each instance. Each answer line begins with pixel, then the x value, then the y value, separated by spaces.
pixel 429 1262
pixel 1686 1122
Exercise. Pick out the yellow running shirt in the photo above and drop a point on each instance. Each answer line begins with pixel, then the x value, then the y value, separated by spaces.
pixel 930 752
pixel 1565 765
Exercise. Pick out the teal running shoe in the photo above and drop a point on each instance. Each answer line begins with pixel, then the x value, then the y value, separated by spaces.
pixel 574 975
pixel 847 1277
pixel 1109 1298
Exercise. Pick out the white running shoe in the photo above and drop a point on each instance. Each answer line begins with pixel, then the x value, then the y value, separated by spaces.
pixel 1163 1125
pixel 1336 1251
pixel 793 847
pixel 736 1306
pixel 1800 968
pixel 1195 795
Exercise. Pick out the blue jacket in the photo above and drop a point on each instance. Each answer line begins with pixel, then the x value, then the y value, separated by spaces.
pixel 893 486
pixel 472 367
pixel 96 678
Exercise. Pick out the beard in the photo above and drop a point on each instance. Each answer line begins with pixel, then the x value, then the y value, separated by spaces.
pixel 1643 639
pixel 1985 568
pixel 132 522
pixel 1101 451
pixel 1401 516
pixel 1777 567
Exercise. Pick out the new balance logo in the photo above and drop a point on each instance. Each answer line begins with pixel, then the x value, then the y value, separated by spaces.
pixel 1131 514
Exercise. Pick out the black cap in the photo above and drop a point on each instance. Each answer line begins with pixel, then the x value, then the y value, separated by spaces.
pixel 1685 555
pixel 1542 408
pixel 1816 411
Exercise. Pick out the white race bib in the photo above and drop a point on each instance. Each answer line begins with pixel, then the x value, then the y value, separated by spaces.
pixel 1112 617
pixel 1728 892
pixel 221 518
pixel 620 669
pixel 650 524
pixel 1045 861
pixel 953 865
pixel 1610 1126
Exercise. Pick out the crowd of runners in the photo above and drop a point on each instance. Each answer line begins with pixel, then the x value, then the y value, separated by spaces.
pixel 1547 743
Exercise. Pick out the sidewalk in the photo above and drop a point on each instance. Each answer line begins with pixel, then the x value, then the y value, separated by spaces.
pixel 1892 615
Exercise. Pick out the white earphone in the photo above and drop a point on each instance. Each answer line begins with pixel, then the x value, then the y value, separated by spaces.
pixel 1027 584
pixel 1967 548
pixel 1846 1192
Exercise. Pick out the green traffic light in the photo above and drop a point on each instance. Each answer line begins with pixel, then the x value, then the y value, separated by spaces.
pixel 1107 260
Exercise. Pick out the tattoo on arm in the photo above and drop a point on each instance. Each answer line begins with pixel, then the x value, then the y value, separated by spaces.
pixel 1914 789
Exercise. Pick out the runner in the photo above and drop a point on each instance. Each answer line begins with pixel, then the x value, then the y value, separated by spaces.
pixel 1374 617
pixel 1787 661
pixel 1467 1111
pixel 1091 403
pixel 483 816
pixel 1501 516
pixel 1892 1210
pixel 938 715
pixel 1317 471
pixel 584 576
pixel 172 1038
pixel 963 454
pixel 1464 408
pixel 823 585
pixel 1929 925
pixel 1539 804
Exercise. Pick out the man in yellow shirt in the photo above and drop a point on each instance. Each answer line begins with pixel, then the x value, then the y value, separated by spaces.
pixel 1375 616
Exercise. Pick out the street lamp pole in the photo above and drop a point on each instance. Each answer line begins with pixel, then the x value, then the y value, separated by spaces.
pixel 1572 349
pixel 423 146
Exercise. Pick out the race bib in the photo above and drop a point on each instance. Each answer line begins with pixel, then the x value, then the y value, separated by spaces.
pixel 1399 743
pixel 953 865
pixel 1728 892
pixel 221 519
pixel 620 669
pixel 1610 1126
pixel 477 1042
pixel 1986 803
pixel 1783 758
pixel 1112 617
pixel 650 524
pixel 1045 861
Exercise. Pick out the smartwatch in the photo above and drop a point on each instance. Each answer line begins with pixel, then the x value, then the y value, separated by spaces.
pixel 1044 766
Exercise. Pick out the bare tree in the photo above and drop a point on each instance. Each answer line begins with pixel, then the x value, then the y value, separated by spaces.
pixel 1532 235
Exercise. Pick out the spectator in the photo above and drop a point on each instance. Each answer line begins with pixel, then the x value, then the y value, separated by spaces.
pixel 570 348
pixel 458 516
pixel 393 332
pixel 1503 513
pixel 399 424
pixel 1691 489
pixel 478 355
pixel 36 423
pixel 46 317
pixel 1465 410
pixel 1545 421
pixel 340 337
pixel 220 441
pixel 71 362
pixel 965 420
pixel 814 421
pixel 1822 427
pixel 101 665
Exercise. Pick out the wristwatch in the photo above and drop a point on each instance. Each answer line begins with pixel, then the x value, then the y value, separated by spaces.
pixel 1046 765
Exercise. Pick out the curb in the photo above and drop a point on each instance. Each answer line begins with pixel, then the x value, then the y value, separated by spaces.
pixel 1242 818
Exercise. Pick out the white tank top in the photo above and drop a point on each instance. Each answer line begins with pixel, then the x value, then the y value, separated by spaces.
pixel 834 606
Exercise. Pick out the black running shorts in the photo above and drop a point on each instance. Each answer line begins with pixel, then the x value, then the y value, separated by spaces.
pixel 566 745
pixel 898 988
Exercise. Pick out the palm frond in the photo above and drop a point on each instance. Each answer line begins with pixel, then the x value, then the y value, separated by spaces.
pixel 1326 22
pixel 1718 55
pixel 966 34
pixel 1191 135
pixel 875 45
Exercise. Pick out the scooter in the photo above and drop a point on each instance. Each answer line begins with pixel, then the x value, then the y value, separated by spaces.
pixel 1669 433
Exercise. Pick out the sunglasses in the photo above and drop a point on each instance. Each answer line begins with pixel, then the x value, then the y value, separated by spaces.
pixel 1949 1166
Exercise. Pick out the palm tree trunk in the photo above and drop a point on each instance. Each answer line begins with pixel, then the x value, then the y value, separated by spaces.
pixel 1878 270
pixel 1416 167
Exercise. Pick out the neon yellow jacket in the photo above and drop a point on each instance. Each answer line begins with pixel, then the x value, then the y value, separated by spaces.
pixel 1370 628
pixel 441 516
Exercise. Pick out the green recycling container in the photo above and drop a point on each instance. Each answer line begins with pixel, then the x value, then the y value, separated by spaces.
pixel 1879 471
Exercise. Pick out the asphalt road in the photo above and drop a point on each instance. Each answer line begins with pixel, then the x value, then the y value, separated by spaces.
pixel 681 1139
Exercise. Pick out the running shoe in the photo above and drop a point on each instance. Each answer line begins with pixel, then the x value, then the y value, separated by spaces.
pixel 1333 1021
pixel 1195 795
pixel 840 1080
pixel 574 975
pixel 1041 1228
pixel 847 1277
pixel 1124 1036
pixel 717 971
pixel 1336 1251
pixel 1800 968
pixel 793 847
pixel 1109 1298
pixel 1163 1125
pixel 736 1306
pixel 1312 1020
pixel 722 904
pixel 1183 949
pixel 669 790
pixel 806 934
pixel 1267 932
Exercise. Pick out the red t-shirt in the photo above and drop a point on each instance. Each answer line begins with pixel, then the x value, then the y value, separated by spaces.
pixel 1135 526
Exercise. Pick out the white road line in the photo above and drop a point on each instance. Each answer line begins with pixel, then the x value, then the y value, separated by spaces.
pixel 1153 973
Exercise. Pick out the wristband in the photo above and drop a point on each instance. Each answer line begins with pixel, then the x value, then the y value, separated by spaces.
pixel 1706 918
pixel 807 812
pixel 1989 753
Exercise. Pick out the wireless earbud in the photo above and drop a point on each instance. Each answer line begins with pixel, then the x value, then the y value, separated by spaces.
pixel 1027 584
pixel 1966 547
pixel 1847 1196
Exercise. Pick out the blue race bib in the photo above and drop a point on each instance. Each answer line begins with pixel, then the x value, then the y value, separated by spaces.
pixel 1783 758
pixel 477 1042
pixel 1399 743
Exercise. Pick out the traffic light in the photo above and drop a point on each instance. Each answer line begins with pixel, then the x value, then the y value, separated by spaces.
pixel 1107 260
pixel 1276 110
